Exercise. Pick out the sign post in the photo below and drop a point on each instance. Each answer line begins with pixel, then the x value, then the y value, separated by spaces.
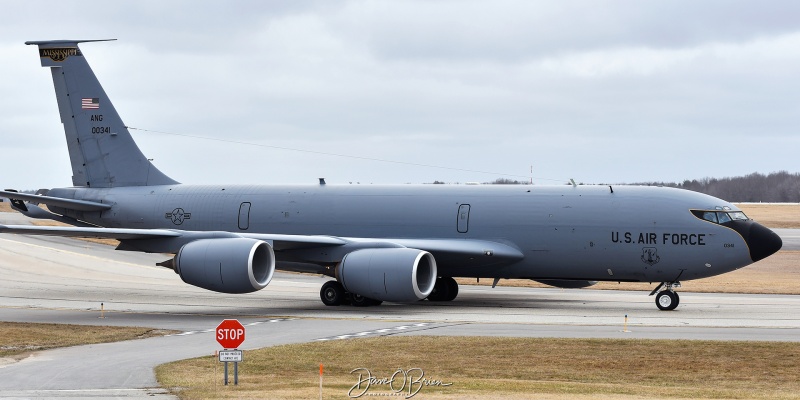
pixel 230 335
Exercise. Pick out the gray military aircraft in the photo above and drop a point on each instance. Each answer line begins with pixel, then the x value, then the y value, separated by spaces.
pixel 399 243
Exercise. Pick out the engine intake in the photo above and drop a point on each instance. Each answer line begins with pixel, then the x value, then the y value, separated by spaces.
pixel 229 265
pixel 395 274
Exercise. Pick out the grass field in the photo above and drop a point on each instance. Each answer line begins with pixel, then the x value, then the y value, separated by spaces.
pixel 514 368
pixel 774 215
pixel 19 339
pixel 777 274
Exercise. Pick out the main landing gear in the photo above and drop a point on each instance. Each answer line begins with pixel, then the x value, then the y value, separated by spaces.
pixel 667 299
pixel 333 294
pixel 445 289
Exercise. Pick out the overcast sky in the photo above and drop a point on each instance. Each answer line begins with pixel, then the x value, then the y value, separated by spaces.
pixel 598 91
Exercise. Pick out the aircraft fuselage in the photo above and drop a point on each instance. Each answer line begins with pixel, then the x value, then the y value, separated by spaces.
pixel 646 234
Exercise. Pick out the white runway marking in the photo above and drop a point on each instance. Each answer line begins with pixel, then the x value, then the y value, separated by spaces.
pixel 250 324
pixel 377 332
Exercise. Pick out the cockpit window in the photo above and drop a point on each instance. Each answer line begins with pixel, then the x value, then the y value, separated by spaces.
pixel 738 215
pixel 720 217
pixel 710 216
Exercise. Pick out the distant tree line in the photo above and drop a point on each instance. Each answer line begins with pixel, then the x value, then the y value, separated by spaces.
pixel 498 181
pixel 506 181
pixel 777 187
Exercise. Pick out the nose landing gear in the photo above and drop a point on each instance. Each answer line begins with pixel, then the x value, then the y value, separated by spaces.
pixel 668 299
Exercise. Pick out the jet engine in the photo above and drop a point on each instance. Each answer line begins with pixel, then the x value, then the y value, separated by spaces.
pixel 394 274
pixel 566 284
pixel 226 265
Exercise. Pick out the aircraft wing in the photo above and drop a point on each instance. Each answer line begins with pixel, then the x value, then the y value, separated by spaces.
pixel 170 241
pixel 464 252
pixel 176 237
pixel 103 233
pixel 332 249
pixel 441 246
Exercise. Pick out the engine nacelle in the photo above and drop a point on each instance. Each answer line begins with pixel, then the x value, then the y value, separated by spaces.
pixel 566 284
pixel 393 274
pixel 226 265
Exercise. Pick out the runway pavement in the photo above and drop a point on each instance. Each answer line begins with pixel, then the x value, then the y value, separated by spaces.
pixel 790 237
pixel 60 280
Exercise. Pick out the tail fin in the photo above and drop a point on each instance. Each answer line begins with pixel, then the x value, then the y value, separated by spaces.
pixel 101 150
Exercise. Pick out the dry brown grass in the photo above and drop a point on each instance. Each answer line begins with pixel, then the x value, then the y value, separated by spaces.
pixel 481 367
pixel 18 339
pixel 777 274
pixel 5 206
pixel 774 215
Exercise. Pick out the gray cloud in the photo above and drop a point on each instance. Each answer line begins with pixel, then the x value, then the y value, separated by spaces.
pixel 613 91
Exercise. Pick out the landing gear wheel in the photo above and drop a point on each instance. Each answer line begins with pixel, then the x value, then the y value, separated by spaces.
pixel 445 289
pixel 358 300
pixel 667 300
pixel 452 287
pixel 332 293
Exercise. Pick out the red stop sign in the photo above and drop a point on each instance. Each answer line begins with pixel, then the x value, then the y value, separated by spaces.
pixel 230 333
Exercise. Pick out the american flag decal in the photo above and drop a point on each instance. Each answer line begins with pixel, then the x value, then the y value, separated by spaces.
pixel 90 103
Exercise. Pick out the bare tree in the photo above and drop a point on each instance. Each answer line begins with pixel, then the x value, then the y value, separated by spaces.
pixel 777 187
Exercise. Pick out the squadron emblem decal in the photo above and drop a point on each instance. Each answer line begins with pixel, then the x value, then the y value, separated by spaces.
pixel 650 256
pixel 178 216
pixel 59 54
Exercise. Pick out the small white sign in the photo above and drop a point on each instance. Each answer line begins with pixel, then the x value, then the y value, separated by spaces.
pixel 230 356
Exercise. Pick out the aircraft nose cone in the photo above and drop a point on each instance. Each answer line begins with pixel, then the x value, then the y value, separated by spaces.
pixel 762 242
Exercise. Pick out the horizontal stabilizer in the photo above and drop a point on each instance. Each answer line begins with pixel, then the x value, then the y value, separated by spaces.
pixel 65 41
pixel 71 204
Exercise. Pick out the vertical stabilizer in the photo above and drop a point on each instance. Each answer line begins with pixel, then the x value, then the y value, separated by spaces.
pixel 101 150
